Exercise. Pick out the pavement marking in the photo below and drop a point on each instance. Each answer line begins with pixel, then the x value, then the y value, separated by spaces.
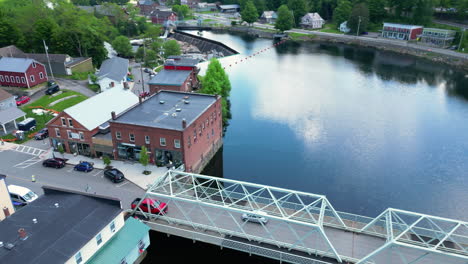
pixel 122 184
pixel 27 163
pixel 70 170
pixel 97 173
pixel 29 150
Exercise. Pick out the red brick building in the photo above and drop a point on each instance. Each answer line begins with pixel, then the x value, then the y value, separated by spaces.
pixel 179 74
pixel 176 128
pixel 147 6
pixel 83 128
pixel 401 32
pixel 161 17
pixel 21 72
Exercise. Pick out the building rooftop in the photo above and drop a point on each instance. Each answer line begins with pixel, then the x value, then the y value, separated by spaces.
pixel 97 110
pixel 229 6
pixel 401 26
pixel 170 77
pixel 439 30
pixel 269 14
pixel 115 69
pixel 60 231
pixel 146 2
pixel 312 16
pixel 11 51
pixel 163 14
pixel 15 64
pixel 181 61
pixel 170 113
pixel 121 243
pixel 4 95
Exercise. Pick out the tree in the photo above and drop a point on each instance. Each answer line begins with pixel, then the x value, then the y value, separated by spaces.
pixel 153 32
pixel 140 54
pixel 462 9
pixel 377 10
pixel 171 47
pixel 249 14
pixel 285 19
pixel 144 158
pixel 359 18
pixel 261 6
pixel 299 9
pixel 342 12
pixel 121 44
pixel 106 160
pixel 422 14
pixel 43 29
pixel 61 150
pixel 150 58
pixel 10 34
pixel 181 10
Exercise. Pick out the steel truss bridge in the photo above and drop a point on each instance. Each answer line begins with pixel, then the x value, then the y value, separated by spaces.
pixel 302 227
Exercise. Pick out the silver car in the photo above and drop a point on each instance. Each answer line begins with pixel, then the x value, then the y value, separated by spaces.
pixel 256 217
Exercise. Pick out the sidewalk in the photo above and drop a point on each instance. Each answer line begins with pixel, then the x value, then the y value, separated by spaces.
pixel 133 171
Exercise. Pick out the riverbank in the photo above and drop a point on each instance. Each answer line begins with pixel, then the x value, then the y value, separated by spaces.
pixel 447 57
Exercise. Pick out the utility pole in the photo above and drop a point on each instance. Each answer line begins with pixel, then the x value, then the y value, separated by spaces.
pixel 48 60
pixel 461 39
pixel 141 68
pixel 359 25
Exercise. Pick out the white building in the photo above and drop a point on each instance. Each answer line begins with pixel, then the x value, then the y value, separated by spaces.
pixel 268 17
pixel 344 27
pixel 312 20
pixel 6 206
pixel 113 73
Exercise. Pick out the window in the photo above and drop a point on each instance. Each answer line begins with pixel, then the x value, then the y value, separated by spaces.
pixel 41 75
pixel 23 80
pixel 212 131
pixel 123 261
pixel 57 132
pixel 1 78
pixel 32 78
pixel 112 227
pixel 141 245
pixel 203 125
pixel 162 141
pixel 98 239
pixel 132 137
pixel 34 65
pixel 63 122
pixel 69 134
pixel 12 78
pixel 118 135
pixel 78 258
pixel 7 79
pixel 176 143
pixel 206 122
pixel 147 139
pixel 81 136
pixel 189 141
pixel 17 79
pixel 70 122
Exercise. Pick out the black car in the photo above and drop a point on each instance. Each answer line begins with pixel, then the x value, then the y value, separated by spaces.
pixel 54 163
pixel 43 133
pixel 114 175
pixel 52 88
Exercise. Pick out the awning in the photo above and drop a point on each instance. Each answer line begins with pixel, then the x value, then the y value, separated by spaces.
pixel 10 114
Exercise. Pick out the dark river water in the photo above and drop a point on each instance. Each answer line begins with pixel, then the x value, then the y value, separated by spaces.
pixel 368 129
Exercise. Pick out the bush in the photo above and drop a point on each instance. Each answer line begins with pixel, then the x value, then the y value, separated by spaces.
pixel 233 23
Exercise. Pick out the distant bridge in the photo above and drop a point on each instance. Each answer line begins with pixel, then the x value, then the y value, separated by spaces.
pixel 302 227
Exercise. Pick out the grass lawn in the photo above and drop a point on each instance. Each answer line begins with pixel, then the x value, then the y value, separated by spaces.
pixel 76 75
pixel 300 36
pixel 331 28
pixel 44 101
pixel 94 87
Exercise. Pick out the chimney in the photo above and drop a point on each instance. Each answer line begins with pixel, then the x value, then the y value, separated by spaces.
pixel 6 211
pixel 22 234
pixel 140 99
pixel 184 123
pixel 113 115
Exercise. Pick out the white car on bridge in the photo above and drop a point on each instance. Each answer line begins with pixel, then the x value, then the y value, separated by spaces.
pixel 256 217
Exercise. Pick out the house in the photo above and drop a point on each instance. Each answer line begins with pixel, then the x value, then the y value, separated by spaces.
pixel 344 27
pixel 401 32
pixel 104 10
pixel 436 37
pixel 113 73
pixel 190 3
pixel 62 64
pixel 6 206
pixel 268 17
pixel 162 17
pixel 59 227
pixel 312 20
pixel 147 6
pixel 9 112
pixel 19 72
pixel 176 128
pixel 179 74
pixel 75 127
pixel 229 8
pixel 127 246
pixel 206 7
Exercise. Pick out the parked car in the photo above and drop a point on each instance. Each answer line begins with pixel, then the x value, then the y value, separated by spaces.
pixel 147 70
pixel 144 94
pixel 84 166
pixel 28 124
pixel 22 100
pixel 43 133
pixel 54 163
pixel 21 195
pixel 255 217
pixel 150 205
pixel 52 88
pixel 114 175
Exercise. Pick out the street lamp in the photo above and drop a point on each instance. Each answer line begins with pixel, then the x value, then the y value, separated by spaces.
pixel 461 39
pixel 359 25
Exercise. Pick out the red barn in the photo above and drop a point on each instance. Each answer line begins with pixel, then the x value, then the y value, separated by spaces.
pixel 21 72
pixel 161 17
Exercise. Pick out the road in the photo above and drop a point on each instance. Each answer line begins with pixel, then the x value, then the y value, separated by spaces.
pixel 453 24
pixel 137 87
pixel 19 167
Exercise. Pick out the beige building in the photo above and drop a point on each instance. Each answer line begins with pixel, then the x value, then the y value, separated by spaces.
pixel 5 202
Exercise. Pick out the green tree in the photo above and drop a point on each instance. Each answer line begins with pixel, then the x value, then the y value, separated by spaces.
pixel 285 19
pixel 61 150
pixel 144 158
pixel 106 160
pixel 182 11
pixel 140 54
pixel 171 47
pixel 422 14
pixel 299 9
pixel 43 29
pixel 10 34
pixel 261 6
pixel 462 9
pixel 121 44
pixel 377 10
pixel 342 11
pixel 359 18
pixel 153 32
pixel 150 58
pixel 249 14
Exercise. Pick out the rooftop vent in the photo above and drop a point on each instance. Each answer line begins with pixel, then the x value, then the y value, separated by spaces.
pixel 186 97
pixel 9 246
pixel 178 109
pixel 1 244
pixel 56 205
pixel 186 101
pixel 161 102
pixel 35 221
pixel 174 115
pixel 166 113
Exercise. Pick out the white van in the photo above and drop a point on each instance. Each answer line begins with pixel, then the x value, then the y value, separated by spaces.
pixel 21 194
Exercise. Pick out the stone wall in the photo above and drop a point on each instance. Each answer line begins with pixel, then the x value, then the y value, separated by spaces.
pixel 203 44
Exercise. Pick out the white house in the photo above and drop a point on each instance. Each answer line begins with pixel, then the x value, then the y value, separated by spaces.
pixel 312 20
pixel 113 73
pixel 268 17
pixel 344 27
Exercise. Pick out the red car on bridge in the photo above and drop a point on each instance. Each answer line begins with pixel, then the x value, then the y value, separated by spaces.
pixel 150 206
